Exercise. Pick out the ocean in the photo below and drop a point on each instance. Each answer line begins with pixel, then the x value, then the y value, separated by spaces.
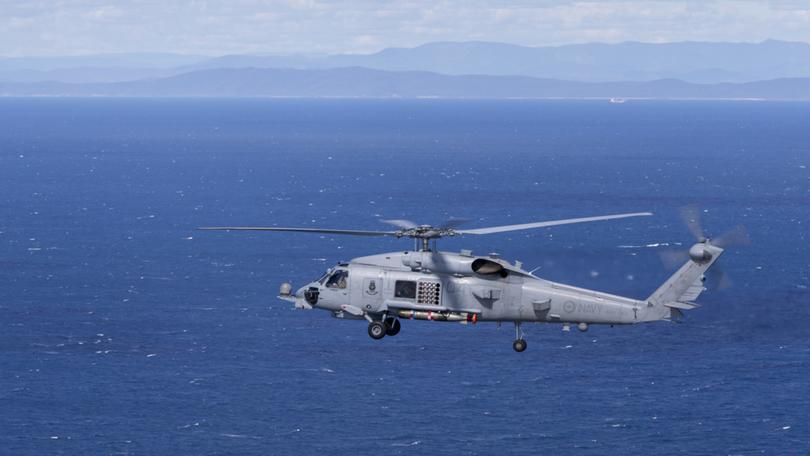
pixel 124 330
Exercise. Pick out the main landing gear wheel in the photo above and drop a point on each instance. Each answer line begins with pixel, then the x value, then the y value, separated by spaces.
pixel 376 329
pixel 519 344
pixel 392 326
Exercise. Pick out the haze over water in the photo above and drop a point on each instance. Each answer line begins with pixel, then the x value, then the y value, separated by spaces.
pixel 126 331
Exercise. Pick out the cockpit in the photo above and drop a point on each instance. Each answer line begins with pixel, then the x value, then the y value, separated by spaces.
pixel 337 278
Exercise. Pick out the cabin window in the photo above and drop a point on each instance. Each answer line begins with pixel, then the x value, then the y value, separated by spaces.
pixel 339 279
pixel 405 289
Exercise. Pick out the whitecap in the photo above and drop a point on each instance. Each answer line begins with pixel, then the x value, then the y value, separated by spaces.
pixel 414 443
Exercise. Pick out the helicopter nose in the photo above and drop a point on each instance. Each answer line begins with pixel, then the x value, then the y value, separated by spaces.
pixel 299 294
pixel 307 296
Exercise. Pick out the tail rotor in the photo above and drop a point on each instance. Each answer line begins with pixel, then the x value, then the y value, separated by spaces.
pixel 691 216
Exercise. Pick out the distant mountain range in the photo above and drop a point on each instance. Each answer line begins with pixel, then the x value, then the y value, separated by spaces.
pixel 771 70
pixel 94 68
pixel 689 61
pixel 364 82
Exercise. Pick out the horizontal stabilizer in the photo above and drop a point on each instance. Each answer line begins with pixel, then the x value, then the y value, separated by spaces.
pixel 681 305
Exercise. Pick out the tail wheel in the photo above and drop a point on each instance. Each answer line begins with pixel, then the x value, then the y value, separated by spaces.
pixel 392 326
pixel 376 329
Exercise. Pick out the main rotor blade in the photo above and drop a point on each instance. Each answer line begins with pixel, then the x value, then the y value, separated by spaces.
pixel 526 226
pixel 300 230
pixel 454 222
pixel 401 223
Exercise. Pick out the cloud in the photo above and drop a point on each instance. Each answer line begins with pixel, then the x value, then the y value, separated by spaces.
pixel 285 26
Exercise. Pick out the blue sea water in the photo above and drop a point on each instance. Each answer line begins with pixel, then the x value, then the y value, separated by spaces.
pixel 125 331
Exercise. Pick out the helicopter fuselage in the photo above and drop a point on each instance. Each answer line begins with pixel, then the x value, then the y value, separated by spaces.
pixel 461 287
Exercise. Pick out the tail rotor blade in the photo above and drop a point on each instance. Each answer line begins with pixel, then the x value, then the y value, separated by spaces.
pixel 719 279
pixel 691 217
pixel 736 236
pixel 673 259
pixel 725 281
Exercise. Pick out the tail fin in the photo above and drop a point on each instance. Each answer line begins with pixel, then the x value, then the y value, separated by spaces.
pixel 685 285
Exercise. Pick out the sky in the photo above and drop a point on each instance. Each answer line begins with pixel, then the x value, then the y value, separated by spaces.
pixel 75 27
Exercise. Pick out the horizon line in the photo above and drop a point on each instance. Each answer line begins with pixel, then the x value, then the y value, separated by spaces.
pixel 322 54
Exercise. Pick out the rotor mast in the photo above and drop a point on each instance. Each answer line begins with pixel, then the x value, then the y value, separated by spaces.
pixel 422 234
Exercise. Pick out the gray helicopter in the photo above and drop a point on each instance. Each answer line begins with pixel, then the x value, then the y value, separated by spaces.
pixel 427 284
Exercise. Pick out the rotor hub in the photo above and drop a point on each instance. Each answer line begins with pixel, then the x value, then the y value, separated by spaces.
pixel 426 232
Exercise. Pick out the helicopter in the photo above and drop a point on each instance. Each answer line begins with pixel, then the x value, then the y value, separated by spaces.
pixel 433 285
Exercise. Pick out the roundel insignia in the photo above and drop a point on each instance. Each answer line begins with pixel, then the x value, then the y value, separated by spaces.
pixel 569 306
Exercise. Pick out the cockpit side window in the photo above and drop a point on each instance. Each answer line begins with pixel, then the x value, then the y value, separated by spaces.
pixel 339 279
pixel 405 289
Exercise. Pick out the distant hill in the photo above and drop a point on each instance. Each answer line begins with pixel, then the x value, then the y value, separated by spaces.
pixel 363 82
pixel 131 60
pixel 94 68
pixel 699 62
pixel 85 74
pixel 702 62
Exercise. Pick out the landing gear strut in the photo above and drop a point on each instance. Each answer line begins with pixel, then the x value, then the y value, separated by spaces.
pixel 519 344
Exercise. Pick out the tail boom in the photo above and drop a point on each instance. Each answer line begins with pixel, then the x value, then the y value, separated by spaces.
pixel 680 290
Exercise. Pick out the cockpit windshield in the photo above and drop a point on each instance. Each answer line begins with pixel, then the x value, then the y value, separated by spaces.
pixel 322 280
pixel 338 279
